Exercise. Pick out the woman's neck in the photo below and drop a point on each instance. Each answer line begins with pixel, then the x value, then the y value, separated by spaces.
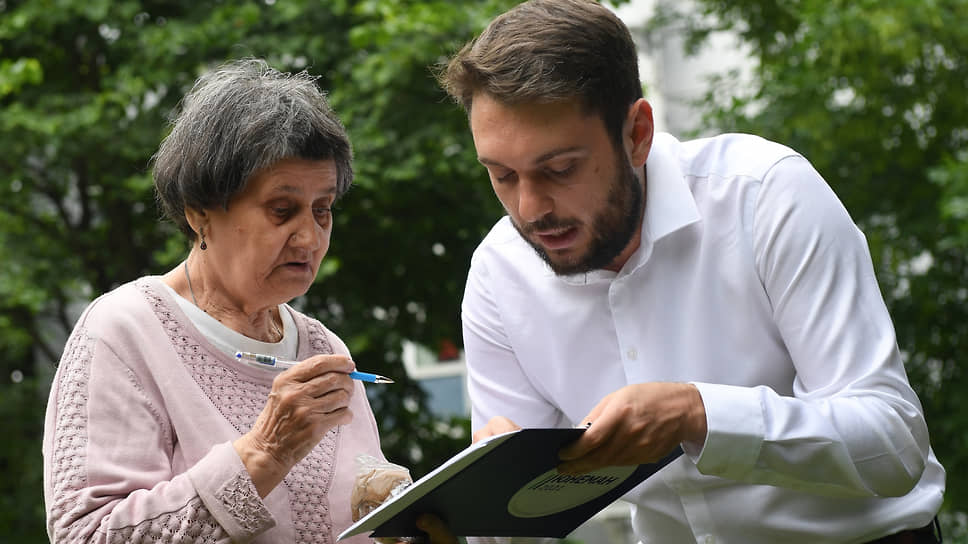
pixel 260 323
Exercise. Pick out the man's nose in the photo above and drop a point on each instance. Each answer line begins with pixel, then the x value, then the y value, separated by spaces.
pixel 534 202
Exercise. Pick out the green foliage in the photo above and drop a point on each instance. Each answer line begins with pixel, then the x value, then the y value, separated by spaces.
pixel 873 94
pixel 952 176
pixel 21 488
pixel 405 232
pixel 86 89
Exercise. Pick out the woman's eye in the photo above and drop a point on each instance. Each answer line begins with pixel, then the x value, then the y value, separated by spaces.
pixel 323 214
pixel 281 212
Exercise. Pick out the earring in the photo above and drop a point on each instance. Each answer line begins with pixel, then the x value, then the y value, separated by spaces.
pixel 203 246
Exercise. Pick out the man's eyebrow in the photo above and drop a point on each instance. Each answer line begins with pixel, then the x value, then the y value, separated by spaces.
pixel 555 152
pixel 538 160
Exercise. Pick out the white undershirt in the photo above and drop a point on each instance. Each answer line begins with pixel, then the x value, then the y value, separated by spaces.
pixel 231 341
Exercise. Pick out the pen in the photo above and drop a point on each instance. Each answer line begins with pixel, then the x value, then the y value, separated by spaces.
pixel 268 361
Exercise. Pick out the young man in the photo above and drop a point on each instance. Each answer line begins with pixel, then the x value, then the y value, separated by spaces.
pixel 712 293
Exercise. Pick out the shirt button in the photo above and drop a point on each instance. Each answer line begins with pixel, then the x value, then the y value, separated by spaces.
pixel 631 353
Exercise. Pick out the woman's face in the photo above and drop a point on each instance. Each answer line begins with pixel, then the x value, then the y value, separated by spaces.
pixel 265 249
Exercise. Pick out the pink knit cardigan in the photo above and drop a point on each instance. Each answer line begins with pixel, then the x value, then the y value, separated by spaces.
pixel 139 430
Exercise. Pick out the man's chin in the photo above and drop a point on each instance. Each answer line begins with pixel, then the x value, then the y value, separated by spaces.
pixel 561 264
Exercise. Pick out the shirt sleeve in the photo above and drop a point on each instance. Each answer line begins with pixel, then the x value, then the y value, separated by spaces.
pixel 854 426
pixel 108 473
pixel 495 379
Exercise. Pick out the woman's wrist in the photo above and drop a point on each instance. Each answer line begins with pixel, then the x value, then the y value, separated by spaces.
pixel 266 470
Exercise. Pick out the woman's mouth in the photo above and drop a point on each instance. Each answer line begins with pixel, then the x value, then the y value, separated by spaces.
pixel 297 266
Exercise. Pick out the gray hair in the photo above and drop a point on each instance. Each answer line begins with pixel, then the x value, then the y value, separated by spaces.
pixel 236 121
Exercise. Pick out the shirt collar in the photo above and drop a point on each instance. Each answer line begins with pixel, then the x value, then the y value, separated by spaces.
pixel 669 204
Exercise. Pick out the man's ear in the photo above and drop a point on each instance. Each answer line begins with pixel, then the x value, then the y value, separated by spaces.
pixel 639 132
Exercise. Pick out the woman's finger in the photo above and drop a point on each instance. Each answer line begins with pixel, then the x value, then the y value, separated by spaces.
pixel 318 365
pixel 436 529
pixel 326 384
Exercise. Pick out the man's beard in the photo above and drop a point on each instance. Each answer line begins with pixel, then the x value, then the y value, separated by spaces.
pixel 612 228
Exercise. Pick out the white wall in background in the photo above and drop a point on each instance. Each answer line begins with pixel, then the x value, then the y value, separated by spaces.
pixel 672 80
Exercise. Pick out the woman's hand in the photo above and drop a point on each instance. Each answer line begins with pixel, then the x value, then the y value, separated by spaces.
pixel 437 531
pixel 306 401
pixel 497 425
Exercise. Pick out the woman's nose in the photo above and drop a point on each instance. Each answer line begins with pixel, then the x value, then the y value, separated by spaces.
pixel 308 233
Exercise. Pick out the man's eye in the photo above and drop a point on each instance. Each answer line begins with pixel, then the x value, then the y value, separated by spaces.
pixel 281 212
pixel 322 211
pixel 563 171
pixel 506 177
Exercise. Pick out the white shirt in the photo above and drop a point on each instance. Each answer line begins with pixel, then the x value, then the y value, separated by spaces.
pixel 752 282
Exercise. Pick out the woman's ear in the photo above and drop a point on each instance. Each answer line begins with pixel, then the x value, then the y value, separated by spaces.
pixel 639 132
pixel 197 219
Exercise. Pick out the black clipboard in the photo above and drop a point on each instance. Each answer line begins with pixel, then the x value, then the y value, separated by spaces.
pixel 506 485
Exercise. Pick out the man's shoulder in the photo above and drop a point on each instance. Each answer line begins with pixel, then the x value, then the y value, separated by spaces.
pixel 729 155
pixel 503 244
pixel 502 233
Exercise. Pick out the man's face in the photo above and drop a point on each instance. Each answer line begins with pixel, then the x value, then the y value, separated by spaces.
pixel 569 192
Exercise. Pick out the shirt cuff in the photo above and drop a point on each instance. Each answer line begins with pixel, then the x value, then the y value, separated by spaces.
pixel 735 430
pixel 226 489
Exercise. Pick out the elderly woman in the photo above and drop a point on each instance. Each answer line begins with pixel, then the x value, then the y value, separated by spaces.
pixel 154 430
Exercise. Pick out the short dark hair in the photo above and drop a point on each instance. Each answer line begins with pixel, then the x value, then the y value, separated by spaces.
pixel 551 51
pixel 237 120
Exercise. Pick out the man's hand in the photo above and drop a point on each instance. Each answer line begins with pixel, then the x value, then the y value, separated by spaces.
pixel 637 424
pixel 497 425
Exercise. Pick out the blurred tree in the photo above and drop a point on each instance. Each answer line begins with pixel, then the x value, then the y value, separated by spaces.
pixel 873 93
pixel 86 89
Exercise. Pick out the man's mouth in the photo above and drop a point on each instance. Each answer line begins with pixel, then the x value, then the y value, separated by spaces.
pixel 556 238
